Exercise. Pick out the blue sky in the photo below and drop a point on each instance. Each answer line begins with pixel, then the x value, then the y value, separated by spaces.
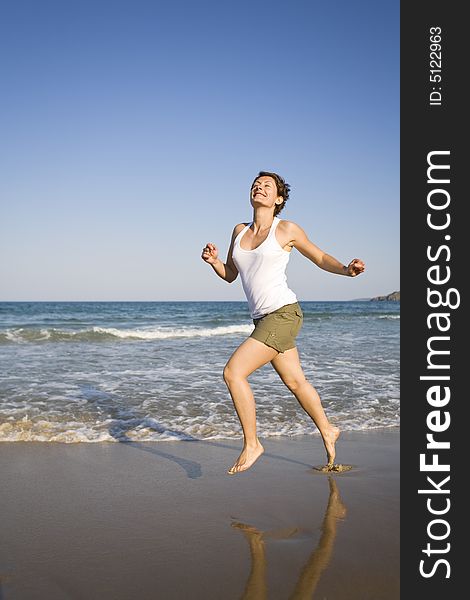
pixel 131 132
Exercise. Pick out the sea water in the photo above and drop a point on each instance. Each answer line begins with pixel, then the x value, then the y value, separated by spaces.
pixel 149 371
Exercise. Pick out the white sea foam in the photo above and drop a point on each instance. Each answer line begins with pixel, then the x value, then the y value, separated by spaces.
pixel 22 335
pixel 181 332
pixel 72 432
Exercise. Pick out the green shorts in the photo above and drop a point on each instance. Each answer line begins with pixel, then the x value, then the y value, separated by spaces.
pixel 279 329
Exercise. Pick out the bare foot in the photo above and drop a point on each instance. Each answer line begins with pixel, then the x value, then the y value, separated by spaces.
pixel 248 456
pixel 330 440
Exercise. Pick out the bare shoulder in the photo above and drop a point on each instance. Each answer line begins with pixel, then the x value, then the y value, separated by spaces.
pixel 290 229
pixel 238 228
pixel 284 224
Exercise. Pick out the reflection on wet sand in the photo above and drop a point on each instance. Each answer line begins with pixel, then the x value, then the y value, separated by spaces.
pixel 256 585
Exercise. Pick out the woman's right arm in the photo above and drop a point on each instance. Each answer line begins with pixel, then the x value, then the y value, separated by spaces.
pixel 227 271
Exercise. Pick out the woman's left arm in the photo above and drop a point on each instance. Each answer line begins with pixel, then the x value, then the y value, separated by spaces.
pixel 299 240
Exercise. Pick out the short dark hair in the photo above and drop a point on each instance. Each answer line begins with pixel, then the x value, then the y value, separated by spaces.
pixel 283 188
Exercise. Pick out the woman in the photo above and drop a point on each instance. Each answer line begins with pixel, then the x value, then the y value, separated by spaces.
pixel 259 251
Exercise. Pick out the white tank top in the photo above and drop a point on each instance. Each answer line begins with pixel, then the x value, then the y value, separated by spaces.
pixel 263 273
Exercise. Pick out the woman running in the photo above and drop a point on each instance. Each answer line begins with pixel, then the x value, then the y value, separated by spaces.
pixel 259 251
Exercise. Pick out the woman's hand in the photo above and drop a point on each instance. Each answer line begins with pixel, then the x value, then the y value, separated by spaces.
pixel 210 254
pixel 355 267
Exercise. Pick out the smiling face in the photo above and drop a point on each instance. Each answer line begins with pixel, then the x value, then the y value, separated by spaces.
pixel 264 192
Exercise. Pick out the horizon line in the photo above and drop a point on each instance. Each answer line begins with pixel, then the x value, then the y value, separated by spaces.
pixel 240 301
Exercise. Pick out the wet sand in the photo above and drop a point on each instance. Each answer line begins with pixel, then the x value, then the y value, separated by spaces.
pixel 123 521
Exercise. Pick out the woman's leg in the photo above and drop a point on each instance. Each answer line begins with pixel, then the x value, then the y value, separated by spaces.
pixel 248 357
pixel 287 365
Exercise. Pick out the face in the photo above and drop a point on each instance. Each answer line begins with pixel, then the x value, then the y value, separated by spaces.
pixel 264 192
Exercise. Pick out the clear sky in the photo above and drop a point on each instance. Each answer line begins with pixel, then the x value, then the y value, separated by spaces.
pixel 130 132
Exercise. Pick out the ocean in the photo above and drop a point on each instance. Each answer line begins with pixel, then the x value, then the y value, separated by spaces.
pixel 149 371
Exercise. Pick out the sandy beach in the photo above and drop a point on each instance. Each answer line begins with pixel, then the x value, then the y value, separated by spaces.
pixel 163 520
